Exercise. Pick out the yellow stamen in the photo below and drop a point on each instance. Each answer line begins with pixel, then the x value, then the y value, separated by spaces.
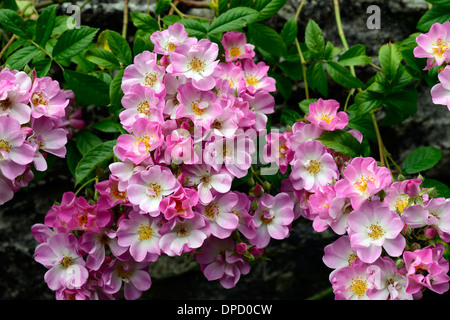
pixel 5 145
pixel 66 262
pixel 375 231
pixel 197 65
pixel 251 80
pixel 212 210
pixel 235 52
pixel 358 287
pixel 314 167
pixel 145 232
pixel 195 109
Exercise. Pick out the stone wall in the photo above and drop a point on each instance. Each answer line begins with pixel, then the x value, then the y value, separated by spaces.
pixel 296 270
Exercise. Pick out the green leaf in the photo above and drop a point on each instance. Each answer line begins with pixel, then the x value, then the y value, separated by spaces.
pixel 115 92
pixel 284 85
pixel 88 89
pixel 268 8
pixel 354 56
pixel 235 18
pixel 86 140
pixel 289 31
pixel 45 25
pixel 421 159
pixel 343 76
pixel 317 79
pixel 97 156
pixel 195 28
pixel 390 58
pixel 289 117
pixel 108 126
pixel 314 39
pixel 42 67
pixel 162 5
pixel 342 141
pixel 293 69
pixel 142 42
pixel 442 189
pixel 366 101
pixel 119 47
pixel 267 39
pixel 331 51
pixel 399 106
pixel 73 41
pixel 144 22
pixel 13 22
pixel 240 3
pixel 103 58
pixel 438 14
pixel 19 59
pixel 304 105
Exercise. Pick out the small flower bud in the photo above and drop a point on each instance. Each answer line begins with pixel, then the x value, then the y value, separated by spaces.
pixel 256 252
pixel 241 248
pixel 430 233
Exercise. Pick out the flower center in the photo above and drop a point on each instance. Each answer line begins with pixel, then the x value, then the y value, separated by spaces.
pixel 375 232
pixel 182 231
pixel 154 190
pixel 145 232
pixel 150 79
pixel 266 217
pixel 195 109
pixel 66 262
pixel 197 65
pixel 5 145
pixel 282 149
pixel 144 107
pixel 358 287
pixel 205 179
pixel 6 104
pixel 361 184
pixel 352 257
pixel 171 47
pixel 235 52
pixel 146 140
pixel 121 273
pixel 325 117
pixel 121 195
pixel 401 203
pixel 251 80
pixel 212 210
pixel 38 99
pixel 440 47
pixel 313 167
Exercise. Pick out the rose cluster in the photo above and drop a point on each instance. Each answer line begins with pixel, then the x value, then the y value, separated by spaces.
pixel 191 120
pixel 389 231
pixel 36 118
pixel 435 47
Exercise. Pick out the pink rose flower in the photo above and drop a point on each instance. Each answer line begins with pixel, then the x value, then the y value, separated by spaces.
pixel 325 115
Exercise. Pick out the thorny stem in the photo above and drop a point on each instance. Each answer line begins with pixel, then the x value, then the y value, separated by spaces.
pixel 299 9
pixel 48 54
pixel 297 44
pixel 337 14
pixel 303 62
pixel 182 15
pixel 11 40
pixel 125 19
pixel 380 141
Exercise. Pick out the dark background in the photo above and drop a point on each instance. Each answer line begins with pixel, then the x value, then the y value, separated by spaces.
pixel 296 270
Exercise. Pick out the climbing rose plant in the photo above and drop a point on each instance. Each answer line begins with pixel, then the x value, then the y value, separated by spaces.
pixel 196 168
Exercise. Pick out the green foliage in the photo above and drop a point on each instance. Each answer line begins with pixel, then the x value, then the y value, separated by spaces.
pixel 91 62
